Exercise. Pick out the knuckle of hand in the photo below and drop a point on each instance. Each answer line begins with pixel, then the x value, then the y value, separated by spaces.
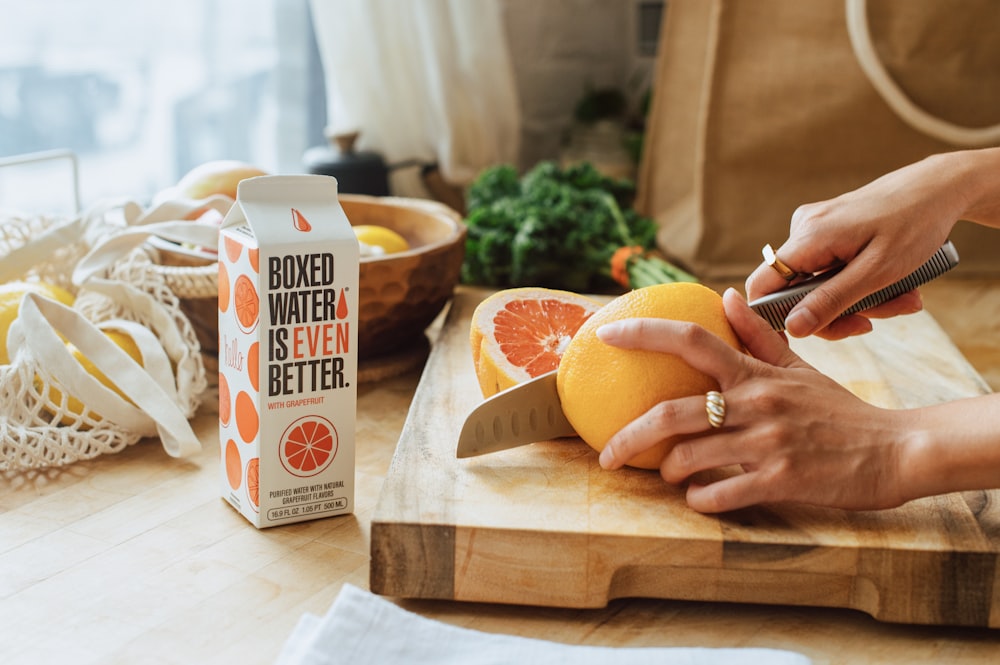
pixel 809 214
pixel 691 334
pixel 678 464
pixel 829 299
pixel 772 436
pixel 663 415
pixel 711 499
pixel 767 402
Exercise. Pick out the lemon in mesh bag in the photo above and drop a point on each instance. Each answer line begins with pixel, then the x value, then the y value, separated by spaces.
pixel 11 294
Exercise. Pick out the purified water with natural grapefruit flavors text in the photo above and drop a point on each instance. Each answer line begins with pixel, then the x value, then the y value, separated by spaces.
pixel 288 302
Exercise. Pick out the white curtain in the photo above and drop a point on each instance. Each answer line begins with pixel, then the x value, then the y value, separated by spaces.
pixel 421 79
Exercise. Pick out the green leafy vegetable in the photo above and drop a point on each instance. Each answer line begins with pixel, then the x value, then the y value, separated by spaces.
pixel 557 228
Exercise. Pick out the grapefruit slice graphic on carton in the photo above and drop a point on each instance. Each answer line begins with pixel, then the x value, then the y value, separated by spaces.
pixel 520 333
pixel 246 303
pixel 253 483
pixel 308 446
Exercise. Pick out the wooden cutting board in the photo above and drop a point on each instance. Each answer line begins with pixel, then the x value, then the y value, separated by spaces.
pixel 545 525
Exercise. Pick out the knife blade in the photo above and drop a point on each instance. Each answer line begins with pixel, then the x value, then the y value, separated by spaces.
pixel 526 413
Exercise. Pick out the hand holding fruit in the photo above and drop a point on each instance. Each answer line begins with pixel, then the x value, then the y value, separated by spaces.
pixel 797 435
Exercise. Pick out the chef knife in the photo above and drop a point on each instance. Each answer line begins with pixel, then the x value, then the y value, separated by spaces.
pixel 526 413
pixel 531 411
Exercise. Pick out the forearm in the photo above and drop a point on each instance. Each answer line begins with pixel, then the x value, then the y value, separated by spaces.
pixel 976 174
pixel 952 447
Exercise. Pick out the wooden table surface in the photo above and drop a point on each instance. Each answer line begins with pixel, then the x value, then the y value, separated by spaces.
pixel 135 558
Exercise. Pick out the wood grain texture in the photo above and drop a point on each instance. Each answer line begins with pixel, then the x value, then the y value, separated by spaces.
pixel 544 525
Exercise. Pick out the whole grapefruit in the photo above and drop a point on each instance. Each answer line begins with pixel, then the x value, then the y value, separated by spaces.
pixel 603 388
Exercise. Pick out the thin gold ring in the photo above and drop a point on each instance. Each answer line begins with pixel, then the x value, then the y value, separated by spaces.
pixel 780 267
pixel 715 407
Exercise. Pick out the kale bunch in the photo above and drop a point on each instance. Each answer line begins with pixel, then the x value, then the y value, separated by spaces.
pixel 553 227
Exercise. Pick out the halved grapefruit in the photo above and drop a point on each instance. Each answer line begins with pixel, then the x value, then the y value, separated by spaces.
pixel 520 333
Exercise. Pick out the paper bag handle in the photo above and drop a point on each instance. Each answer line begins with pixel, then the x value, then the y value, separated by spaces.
pixel 893 95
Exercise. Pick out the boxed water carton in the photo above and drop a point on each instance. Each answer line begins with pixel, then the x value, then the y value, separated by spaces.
pixel 288 337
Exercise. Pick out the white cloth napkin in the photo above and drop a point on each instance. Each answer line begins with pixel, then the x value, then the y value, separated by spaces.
pixel 361 627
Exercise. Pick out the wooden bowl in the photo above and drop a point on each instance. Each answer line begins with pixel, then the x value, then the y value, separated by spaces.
pixel 402 293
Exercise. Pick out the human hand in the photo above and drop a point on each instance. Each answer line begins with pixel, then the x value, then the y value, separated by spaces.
pixel 879 234
pixel 798 435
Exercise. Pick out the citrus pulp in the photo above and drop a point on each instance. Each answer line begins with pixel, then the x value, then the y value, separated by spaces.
pixel 520 333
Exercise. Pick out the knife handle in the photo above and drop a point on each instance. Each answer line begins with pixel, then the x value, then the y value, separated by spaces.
pixel 774 307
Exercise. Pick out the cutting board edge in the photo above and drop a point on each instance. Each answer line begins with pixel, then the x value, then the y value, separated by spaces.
pixel 819 579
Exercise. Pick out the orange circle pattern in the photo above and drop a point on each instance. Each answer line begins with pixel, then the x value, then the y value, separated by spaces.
pixel 233 464
pixel 223 288
pixel 233 249
pixel 253 365
pixel 247 419
pixel 225 400
pixel 253 482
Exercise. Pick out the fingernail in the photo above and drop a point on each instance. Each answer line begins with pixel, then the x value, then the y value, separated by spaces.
pixel 608 331
pixel 801 322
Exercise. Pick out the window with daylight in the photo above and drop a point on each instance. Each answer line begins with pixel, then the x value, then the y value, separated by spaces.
pixel 141 92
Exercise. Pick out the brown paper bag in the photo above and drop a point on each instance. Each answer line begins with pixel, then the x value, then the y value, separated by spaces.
pixel 762 105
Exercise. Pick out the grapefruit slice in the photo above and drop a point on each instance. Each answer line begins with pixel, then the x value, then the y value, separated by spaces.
pixel 308 446
pixel 518 334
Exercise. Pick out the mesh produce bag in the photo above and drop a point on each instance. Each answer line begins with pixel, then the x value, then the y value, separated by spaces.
pixel 53 411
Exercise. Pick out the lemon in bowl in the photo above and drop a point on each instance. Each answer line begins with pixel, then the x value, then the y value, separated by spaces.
pixel 378 240
pixel 404 287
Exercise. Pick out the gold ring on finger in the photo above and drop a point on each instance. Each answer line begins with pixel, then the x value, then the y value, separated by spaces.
pixel 715 407
pixel 780 267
